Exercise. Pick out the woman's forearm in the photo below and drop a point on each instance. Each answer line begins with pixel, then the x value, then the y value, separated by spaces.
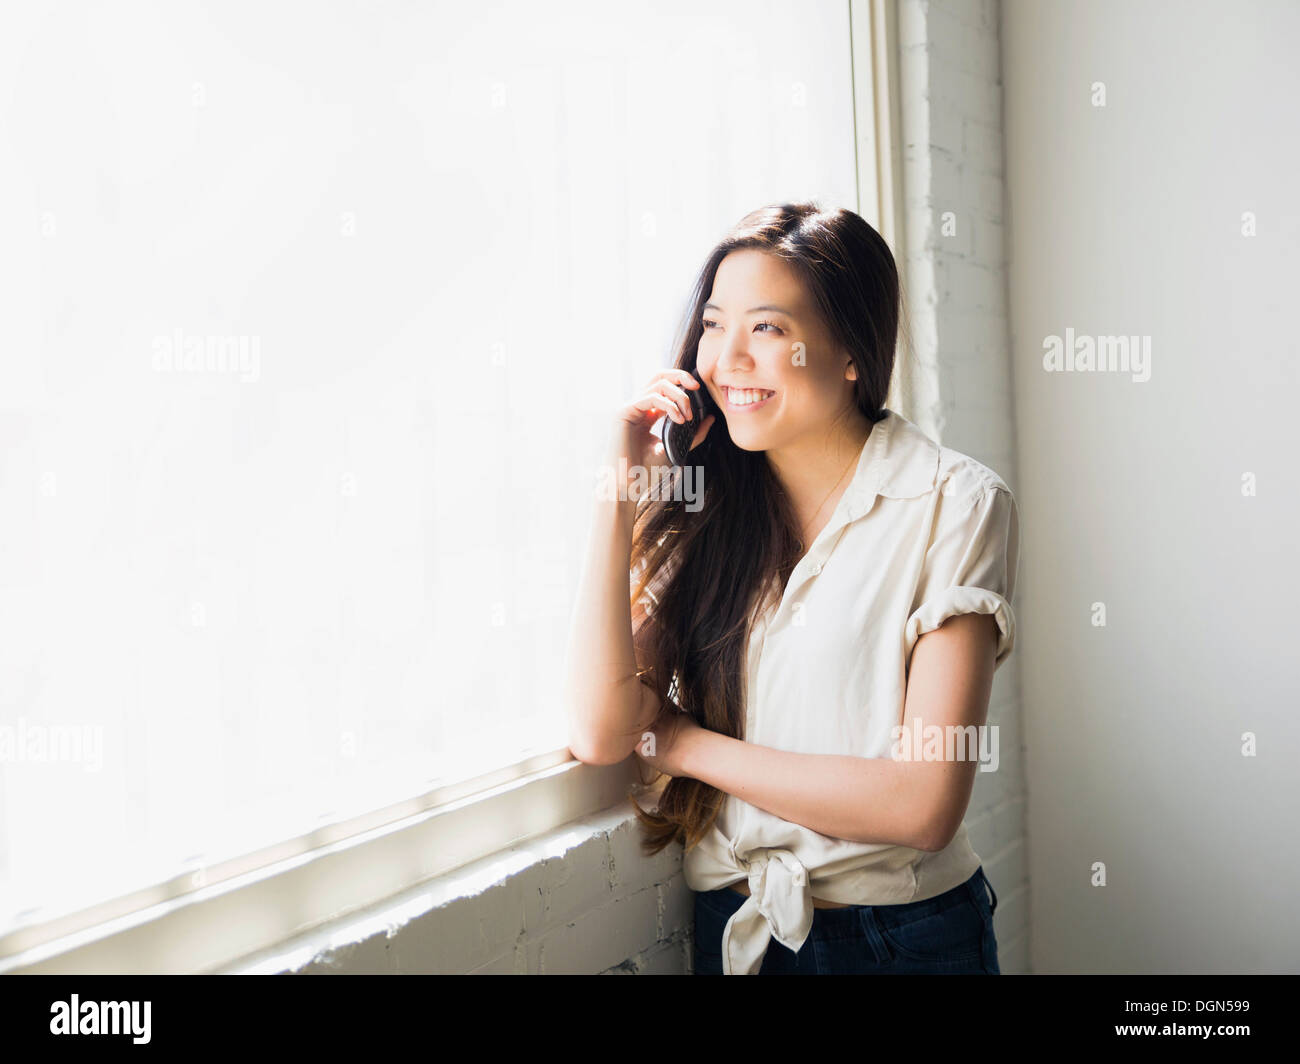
pixel 877 800
pixel 605 700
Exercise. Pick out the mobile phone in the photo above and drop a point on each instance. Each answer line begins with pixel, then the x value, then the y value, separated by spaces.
pixel 677 437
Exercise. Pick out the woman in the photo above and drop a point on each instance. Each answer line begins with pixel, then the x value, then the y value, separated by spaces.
pixel 844 588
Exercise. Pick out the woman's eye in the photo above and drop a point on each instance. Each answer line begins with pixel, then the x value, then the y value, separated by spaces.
pixel 709 323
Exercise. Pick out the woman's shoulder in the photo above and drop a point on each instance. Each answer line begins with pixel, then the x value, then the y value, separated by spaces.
pixel 924 467
pixel 966 480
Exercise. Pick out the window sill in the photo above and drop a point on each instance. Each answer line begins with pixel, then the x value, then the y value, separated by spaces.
pixel 581 898
pixel 217 925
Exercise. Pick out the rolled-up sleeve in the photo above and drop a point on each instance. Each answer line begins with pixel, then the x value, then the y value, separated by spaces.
pixel 970 566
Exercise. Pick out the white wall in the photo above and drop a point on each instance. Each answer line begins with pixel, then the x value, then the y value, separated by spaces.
pixel 957 308
pixel 1127 220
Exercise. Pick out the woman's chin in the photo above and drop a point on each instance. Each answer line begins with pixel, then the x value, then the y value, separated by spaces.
pixel 750 441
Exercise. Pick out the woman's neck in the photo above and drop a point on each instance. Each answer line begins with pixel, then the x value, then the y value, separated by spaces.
pixel 817 469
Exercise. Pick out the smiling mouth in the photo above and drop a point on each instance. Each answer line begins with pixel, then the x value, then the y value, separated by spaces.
pixel 743 397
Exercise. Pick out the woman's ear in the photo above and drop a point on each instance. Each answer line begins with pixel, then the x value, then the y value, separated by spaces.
pixel 850 371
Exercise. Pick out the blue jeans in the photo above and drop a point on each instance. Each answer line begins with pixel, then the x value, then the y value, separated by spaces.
pixel 949 934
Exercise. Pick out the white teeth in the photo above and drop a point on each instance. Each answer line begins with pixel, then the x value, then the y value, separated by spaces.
pixel 746 397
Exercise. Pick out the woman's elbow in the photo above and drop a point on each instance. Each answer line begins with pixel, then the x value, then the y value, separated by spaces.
pixel 933 841
pixel 937 832
pixel 590 752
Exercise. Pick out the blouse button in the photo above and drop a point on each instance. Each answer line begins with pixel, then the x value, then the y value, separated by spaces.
pixel 816 570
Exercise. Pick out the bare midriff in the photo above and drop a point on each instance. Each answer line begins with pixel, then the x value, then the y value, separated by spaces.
pixel 743 888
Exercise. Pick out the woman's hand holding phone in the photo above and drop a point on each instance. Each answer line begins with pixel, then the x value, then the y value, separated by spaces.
pixel 665 394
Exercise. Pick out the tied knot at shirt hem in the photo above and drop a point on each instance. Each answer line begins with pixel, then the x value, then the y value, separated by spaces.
pixel 779 906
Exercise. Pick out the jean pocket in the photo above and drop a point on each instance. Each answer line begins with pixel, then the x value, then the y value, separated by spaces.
pixel 953 933
pixel 992 897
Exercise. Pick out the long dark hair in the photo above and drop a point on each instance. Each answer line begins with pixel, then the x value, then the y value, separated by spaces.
pixel 724 556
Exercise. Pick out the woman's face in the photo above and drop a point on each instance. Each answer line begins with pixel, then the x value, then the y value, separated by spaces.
pixel 763 340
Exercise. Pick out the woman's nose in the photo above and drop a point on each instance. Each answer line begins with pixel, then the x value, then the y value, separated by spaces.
pixel 735 352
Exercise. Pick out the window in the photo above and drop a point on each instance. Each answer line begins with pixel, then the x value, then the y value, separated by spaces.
pixel 312 342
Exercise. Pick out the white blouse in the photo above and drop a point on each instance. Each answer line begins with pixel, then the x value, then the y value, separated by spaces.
pixel 921 534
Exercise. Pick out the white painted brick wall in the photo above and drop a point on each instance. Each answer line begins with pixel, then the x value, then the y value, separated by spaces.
pixel 578 900
pixel 582 899
pixel 956 298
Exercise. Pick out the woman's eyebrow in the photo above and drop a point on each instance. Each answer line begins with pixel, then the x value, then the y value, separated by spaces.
pixel 751 310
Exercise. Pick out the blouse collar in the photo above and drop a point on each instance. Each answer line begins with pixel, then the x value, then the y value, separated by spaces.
pixel 898 461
